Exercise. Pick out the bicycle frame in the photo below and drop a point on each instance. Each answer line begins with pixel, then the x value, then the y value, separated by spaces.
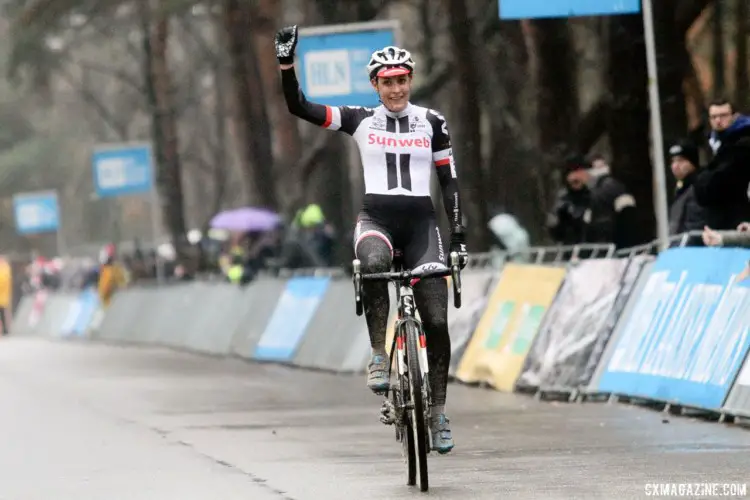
pixel 407 402
pixel 406 306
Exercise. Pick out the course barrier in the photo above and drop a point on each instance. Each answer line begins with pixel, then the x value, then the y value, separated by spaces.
pixel 566 338
pixel 510 321
pixel 687 335
pixel 672 328
pixel 331 337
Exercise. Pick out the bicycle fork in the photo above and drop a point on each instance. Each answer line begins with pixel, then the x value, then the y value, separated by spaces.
pixel 390 413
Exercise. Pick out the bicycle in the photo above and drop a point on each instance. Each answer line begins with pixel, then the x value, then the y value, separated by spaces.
pixel 408 405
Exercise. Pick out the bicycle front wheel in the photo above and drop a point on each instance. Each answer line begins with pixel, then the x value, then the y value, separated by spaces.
pixel 419 409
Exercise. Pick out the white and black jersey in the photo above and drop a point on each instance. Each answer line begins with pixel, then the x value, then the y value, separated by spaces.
pixel 399 152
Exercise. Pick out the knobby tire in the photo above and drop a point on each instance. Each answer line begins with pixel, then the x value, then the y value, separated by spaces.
pixel 418 421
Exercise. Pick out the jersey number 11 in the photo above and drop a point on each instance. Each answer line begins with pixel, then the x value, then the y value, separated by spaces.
pixel 403 165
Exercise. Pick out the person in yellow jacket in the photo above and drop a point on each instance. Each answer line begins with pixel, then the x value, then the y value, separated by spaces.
pixel 111 276
pixel 6 294
pixel 309 216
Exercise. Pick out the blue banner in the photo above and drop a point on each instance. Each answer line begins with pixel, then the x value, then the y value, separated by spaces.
pixel 122 169
pixel 332 67
pixel 534 9
pixel 290 319
pixel 81 313
pixel 689 331
pixel 36 212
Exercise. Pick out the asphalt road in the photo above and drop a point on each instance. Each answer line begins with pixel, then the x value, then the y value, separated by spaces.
pixel 91 421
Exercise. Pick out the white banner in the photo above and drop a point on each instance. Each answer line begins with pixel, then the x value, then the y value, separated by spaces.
pixel 475 291
pixel 564 343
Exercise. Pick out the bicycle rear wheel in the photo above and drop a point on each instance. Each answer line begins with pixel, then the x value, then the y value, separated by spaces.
pixel 419 411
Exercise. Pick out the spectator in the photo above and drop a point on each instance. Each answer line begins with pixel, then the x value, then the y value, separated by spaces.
pixel 685 214
pixel 315 233
pixel 6 294
pixel 236 272
pixel 509 234
pixel 111 276
pixel 737 238
pixel 722 187
pixel 236 250
pixel 593 207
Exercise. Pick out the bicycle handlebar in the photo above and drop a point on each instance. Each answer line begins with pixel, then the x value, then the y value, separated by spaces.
pixel 407 275
pixel 454 271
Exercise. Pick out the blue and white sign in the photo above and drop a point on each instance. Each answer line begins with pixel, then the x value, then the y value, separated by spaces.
pixel 122 169
pixel 534 9
pixel 689 331
pixel 37 212
pixel 333 60
pixel 290 319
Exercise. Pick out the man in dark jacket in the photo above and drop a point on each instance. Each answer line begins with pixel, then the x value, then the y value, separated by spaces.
pixel 722 187
pixel 685 214
pixel 594 207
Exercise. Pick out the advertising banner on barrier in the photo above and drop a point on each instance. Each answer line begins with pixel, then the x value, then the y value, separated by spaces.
pixel 628 283
pixel 81 313
pixel 289 321
pixel 513 315
pixel 598 364
pixel 562 346
pixel 475 292
pixel 688 333
pixel 333 330
pixel 738 402
pixel 262 296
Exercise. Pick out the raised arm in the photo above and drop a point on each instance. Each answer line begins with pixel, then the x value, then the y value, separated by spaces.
pixel 442 155
pixel 342 118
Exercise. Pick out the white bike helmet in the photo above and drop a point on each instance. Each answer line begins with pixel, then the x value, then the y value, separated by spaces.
pixel 390 61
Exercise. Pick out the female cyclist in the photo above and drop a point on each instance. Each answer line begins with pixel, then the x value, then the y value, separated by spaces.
pixel 400 145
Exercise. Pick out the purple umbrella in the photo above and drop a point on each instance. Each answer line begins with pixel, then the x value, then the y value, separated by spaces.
pixel 246 219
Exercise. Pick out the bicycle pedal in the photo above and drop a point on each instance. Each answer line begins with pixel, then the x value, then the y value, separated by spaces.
pixel 387 413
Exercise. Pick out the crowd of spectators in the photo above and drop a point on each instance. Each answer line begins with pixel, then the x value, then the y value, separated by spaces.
pixel 594 207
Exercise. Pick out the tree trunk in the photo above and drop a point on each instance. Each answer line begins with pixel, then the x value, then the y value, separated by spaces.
pixel 164 128
pixel 219 148
pixel 467 136
pixel 674 66
pixel 252 121
pixel 558 94
pixel 742 79
pixel 286 141
pixel 628 123
pixel 718 46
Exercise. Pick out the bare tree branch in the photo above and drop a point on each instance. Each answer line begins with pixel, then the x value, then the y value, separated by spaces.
pixel 592 125
pixel 433 83
pixel 308 163
pixel 132 48
pixel 439 77
pixel 95 102
pixel 688 11
pixel 118 74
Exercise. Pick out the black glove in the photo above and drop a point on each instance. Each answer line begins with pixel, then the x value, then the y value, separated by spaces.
pixel 286 42
pixel 458 245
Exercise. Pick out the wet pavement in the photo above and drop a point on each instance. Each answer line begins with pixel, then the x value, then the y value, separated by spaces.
pixel 93 421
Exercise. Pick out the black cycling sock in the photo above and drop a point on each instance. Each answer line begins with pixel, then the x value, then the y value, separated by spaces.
pixel 431 296
pixel 375 256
